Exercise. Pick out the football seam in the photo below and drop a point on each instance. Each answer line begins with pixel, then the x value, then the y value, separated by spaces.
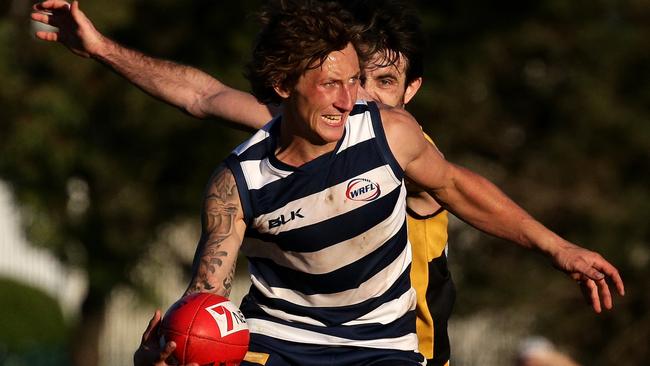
pixel 187 339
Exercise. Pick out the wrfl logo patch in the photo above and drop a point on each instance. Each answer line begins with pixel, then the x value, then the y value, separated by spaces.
pixel 362 189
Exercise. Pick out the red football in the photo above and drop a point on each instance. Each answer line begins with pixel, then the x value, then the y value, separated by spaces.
pixel 208 329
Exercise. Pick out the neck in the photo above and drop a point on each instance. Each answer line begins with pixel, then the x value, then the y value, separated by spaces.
pixel 298 145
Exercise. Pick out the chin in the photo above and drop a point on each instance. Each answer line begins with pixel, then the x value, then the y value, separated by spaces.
pixel 332 133
pixel 329 137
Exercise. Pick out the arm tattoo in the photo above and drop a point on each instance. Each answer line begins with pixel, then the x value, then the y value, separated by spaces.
pixel 220 209
pixel 227 282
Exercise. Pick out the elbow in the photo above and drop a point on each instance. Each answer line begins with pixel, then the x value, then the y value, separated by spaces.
pixel 194 108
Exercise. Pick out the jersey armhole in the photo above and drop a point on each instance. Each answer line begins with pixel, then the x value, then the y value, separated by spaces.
pixel 242 188
pixel 382 141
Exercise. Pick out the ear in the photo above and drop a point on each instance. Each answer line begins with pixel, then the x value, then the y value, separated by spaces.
pixel 281 91
pixel 412 89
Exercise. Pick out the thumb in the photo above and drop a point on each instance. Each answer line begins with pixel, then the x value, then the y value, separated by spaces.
pixel 77 14
pixel 152 328
pixel 92 41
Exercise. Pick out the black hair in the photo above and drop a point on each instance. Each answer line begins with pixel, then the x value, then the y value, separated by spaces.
pixel 391 27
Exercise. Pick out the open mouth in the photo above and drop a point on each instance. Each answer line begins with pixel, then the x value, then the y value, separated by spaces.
pixel 334 120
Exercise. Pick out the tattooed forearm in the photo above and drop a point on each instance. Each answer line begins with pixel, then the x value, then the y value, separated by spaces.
pixel 206 268
pixel 227 282
pixel 215 258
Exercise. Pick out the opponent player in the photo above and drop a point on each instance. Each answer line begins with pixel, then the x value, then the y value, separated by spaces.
pixel 393 77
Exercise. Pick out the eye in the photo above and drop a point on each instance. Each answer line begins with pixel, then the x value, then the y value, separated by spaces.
pixel 354 80
pixel 386 82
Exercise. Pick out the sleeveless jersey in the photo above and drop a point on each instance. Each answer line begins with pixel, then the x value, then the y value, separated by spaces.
pixel 330 258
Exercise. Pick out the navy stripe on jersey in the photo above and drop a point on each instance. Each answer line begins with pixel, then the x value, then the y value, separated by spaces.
pixel 328 316
pixel 345 278
pixel 353 162
pixel 318 236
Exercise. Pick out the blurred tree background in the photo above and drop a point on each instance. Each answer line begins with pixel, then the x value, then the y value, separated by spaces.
pixel 34 331
pixel 548 99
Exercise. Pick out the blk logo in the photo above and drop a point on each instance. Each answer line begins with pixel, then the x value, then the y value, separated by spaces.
pixel 362 189
pixel 282 220
pixel 228 317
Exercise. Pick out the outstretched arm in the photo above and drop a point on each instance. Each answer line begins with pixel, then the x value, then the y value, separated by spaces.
pixel 480 203
pixel 222 234
pixel 188 88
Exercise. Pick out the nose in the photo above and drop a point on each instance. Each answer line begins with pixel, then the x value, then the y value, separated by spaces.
pixel 346 97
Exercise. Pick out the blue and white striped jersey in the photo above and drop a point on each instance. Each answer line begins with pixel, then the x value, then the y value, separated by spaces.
pixel 330 261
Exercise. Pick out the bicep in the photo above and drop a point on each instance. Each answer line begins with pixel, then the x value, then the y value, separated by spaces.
pixel 237 106
pixel 222 233
pixel 428 167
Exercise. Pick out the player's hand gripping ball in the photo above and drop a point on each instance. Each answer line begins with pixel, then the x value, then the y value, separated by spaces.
pixel 208 329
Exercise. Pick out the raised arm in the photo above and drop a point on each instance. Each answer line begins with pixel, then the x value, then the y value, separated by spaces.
pixel 480 203
pixel 222 233
pixel 187 88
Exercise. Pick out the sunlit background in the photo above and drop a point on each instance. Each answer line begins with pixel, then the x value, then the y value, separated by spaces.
pixel 100 185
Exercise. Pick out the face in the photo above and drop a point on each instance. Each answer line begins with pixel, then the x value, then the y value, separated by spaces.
pixel 321 101
pixel 387 84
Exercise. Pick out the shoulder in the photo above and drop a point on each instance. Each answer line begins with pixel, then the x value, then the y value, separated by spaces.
pixel 222 182
pixel 404 135
pixel 394 114
pixel 255 146
pixel 397 121
pixel 222 194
